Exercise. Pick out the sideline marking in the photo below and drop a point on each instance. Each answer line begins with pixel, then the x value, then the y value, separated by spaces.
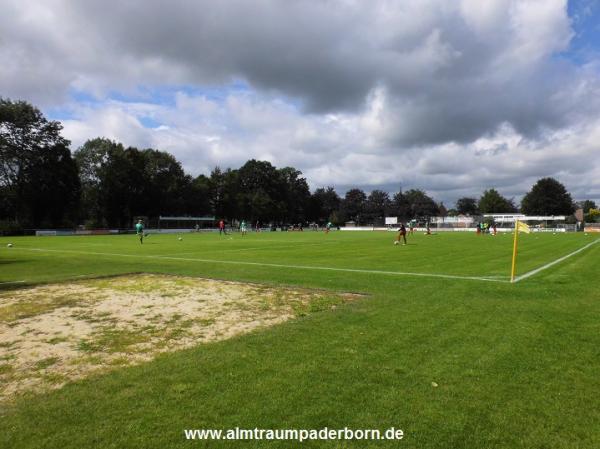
pixel 275 265
pixel 548 265
pixel 12 282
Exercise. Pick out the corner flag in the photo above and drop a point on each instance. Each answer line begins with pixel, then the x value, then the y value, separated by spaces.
pixel 519 227
pixel 523 227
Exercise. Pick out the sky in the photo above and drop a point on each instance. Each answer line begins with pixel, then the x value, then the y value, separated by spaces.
pixel 450 97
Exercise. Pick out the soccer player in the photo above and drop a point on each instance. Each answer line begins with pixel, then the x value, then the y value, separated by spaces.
pixel 243 227
pixel 139 230
pixel 401 234
pixel 222 227
pixel 328 227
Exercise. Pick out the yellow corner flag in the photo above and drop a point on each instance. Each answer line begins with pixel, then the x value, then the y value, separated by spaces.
pixel 519 227
pixel 523 227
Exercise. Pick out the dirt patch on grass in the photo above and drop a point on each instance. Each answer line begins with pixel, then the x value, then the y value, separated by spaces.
pixel 52 334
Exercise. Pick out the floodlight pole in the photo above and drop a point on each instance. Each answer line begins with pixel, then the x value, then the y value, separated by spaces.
pixel 514 257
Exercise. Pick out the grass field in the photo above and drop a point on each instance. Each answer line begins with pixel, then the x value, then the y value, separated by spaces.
pixel 441 345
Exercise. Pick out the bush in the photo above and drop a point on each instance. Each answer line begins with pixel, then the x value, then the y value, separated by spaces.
pixel 593 216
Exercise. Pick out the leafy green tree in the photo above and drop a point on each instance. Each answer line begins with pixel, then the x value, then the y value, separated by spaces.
pixel 353 205
pixel 491 202
pixel 49 189
pixel 547 197
pixel 163 184
pixel 38 179
pixel 120 184
pixel 401 207
pixel 296 195
pixel 442 211
pixel 593 216
pixel 323 204
pixel 421 204
pixel 260 194
pixel 377 206
pixel 586 205
pixel 196 195
pixel 467 206
pixel 106 182
pixel 223 193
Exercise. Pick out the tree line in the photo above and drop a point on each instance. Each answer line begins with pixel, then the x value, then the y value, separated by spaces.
pixel 105 184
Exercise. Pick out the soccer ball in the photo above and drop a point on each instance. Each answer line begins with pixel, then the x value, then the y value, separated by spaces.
pixel 9 245
pixel 180 239
pixel 396 242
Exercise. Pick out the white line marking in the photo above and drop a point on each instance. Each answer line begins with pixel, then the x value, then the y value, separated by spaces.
pixel 12 282
pixel 274 265
pixel 548 265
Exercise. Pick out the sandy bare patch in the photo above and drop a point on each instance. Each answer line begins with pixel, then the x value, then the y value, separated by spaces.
pixel 52 334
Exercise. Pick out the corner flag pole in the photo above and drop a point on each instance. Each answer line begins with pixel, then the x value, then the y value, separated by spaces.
pixel 514 257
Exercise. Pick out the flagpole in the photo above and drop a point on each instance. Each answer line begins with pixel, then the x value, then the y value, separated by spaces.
pixel 514 257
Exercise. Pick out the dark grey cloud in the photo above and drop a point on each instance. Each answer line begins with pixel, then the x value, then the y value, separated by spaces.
pixel 450 74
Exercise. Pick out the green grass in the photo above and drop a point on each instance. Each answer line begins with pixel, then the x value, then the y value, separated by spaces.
pixel 45 363
pixel 516 364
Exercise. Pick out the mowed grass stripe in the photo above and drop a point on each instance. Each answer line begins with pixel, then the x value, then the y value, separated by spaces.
pixel 273 265
pixel 457 255
pixel 554 262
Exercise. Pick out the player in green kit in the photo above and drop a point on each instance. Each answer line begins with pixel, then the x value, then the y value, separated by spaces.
pixel 243 229
pixel 139 230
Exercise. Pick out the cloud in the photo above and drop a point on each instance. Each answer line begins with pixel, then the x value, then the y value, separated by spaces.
pixel 449 96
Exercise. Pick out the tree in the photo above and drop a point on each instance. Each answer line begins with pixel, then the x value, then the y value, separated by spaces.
pixel 260 192
pixel 491 202
pixel 547 197
pixel 401 207
pixel 49 190
pixel 377 206
pixel 107 182
pixel 163 183
pixel 443 212
pixel 223 190
pixel 38 178
pixel 353 205
pixel 120 184
pixel 323 204
pixel 586 205
pixel 421 205
pixel 467 206
pixel 593 216
pixel 196 195
pixel 296 195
